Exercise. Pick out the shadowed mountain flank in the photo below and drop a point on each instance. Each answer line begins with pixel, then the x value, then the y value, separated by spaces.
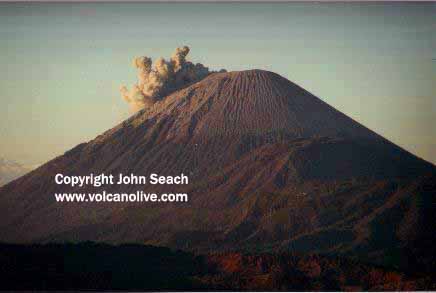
pixel 270 166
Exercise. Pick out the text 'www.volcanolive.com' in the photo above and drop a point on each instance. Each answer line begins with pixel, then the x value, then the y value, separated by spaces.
pixel 139 196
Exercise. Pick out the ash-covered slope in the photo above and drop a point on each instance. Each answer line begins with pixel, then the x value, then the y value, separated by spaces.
pixel 270 166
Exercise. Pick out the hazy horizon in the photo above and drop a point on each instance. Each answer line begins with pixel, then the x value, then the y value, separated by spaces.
pixel 64 63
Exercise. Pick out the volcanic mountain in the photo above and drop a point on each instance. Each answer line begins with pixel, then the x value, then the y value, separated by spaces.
pixel 10 170
pixel 271 167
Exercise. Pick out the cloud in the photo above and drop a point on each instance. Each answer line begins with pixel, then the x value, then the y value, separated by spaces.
pixel 156 82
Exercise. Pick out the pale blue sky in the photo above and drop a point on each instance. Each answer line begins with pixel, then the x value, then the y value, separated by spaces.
pixel 63 63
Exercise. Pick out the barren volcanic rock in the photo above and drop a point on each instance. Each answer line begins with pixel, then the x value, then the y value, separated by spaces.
pixel 270 166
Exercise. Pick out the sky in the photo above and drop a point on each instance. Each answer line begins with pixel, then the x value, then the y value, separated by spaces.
pixel 63 63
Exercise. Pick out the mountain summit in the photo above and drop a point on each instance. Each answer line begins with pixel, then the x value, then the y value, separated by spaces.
pixel 270 165
pixel 253 102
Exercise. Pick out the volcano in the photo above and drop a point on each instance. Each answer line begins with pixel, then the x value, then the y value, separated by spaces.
pixel 270 166
pixel 9 170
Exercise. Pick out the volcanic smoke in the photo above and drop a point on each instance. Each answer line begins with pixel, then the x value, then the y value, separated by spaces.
pixel 160 80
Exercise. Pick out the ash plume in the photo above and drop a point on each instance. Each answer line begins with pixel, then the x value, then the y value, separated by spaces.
pixel 165 77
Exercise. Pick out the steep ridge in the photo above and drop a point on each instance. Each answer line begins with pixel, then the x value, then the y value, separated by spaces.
pixel 270 166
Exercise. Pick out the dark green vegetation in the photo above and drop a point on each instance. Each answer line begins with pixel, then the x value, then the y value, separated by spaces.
pixel 92 266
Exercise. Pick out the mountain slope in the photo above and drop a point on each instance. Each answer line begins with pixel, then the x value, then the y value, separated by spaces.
pixel 270 166
pixel 10 170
